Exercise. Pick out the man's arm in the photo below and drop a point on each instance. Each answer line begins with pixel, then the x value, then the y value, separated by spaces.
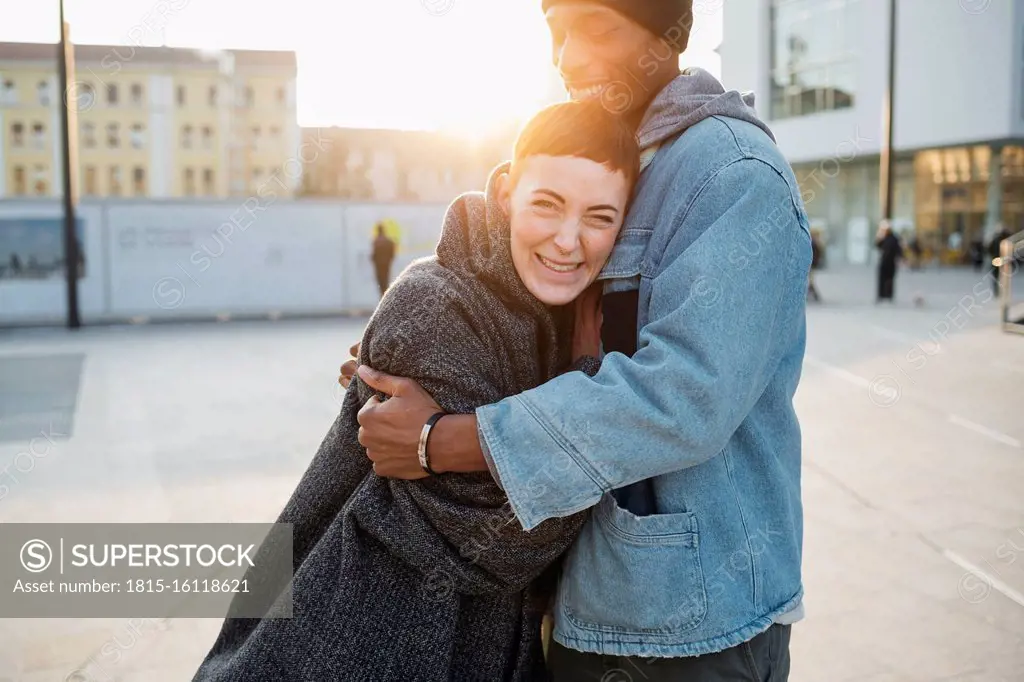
pixel 724 310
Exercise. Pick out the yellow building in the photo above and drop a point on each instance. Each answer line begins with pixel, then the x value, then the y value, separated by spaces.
pixel 152 121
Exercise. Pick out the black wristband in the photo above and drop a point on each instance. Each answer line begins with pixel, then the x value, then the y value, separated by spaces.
pixel 429 428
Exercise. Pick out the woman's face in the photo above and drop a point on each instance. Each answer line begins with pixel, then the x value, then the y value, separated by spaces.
pixel 565 214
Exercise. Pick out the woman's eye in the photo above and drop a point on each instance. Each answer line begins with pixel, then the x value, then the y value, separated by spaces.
pixel 600 220
pixel 545 204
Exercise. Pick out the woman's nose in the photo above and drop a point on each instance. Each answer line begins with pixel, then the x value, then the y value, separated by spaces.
pixel 568 236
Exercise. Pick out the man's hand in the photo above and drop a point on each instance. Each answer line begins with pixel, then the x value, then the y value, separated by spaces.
pixel 390 430
pixel 348 368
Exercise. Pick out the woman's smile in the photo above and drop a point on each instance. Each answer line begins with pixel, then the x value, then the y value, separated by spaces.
pixel 560 268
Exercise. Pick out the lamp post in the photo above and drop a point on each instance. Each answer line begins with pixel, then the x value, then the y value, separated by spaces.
pixel 886 171
pixel 69 127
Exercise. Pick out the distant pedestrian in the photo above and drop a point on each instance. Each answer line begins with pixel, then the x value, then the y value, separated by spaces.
pixel 382 256
pixel 892 252
pixel 915 251
pixel 993 253
pixel 977 254
pixel 816 255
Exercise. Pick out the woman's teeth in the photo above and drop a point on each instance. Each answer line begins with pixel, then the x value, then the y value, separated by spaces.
pixel 557 267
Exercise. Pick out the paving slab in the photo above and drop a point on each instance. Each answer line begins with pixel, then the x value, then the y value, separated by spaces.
pixel 912 482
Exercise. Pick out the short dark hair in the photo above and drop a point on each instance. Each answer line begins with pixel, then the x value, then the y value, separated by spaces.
pixel 585 129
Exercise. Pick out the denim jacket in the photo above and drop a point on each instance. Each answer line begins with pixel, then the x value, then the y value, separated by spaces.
pixel 717 241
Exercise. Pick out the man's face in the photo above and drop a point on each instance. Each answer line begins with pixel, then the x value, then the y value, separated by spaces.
pixel 601 53
pixel 565 214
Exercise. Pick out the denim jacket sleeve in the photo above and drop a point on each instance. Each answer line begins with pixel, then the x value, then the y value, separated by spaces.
pixel 705 355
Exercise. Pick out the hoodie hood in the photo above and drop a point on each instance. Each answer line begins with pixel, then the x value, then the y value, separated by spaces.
pixel 690 98
pixel 476 242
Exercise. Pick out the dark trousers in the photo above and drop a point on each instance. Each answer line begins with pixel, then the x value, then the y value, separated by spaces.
pixel 886 281
pixel 765 658
pixel 383 273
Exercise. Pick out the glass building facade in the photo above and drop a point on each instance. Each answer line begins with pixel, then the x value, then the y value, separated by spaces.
pixel 950 199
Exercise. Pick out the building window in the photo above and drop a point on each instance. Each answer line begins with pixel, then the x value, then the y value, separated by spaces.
pixel 89 135
pixel 181 96
pixel 211 96
pixel 43 93
pixel 255 137
pixel 186 137
pixel 113 136
pixel 138 136
pixel 282 96
pixel 38 136
pixel 246 97
pixel 257 176
pixel 90 180
pixel 115 189
pixel 136 94
pixel 275 133
pixel 813 56
pixel 85 96
pixel 139 181
pixel 17 135
pixel 190 182
pixel 19 180
pixel 8 93
pixel 207 137
pixel 208 183
pixel 39 180
pixel 112 93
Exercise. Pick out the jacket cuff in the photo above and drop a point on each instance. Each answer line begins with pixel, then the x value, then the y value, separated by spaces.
pixel 587 364
pixel 487 458
pixel 541 475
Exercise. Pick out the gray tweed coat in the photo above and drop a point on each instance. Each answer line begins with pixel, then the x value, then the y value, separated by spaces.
pixel 428 580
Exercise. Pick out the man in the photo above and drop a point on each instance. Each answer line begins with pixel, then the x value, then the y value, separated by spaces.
pixel 382 256
pixel 685 442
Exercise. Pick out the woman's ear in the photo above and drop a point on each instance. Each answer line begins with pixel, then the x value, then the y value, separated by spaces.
pixel 505 193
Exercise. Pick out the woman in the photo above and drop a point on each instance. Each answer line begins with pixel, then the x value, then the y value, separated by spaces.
pixel 434 579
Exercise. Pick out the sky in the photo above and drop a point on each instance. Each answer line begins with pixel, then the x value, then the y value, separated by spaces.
pixel 464 66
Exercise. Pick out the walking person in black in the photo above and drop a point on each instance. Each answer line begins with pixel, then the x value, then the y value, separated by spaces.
pixel 892 252
pixel 816 254
pixel 382 256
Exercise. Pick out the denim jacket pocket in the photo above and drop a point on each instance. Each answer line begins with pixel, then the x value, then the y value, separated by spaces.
pixel 635 574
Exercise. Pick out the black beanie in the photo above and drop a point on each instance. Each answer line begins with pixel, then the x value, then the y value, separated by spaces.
pixel 657 16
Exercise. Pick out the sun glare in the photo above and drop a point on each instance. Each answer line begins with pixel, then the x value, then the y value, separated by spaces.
pixel 460 66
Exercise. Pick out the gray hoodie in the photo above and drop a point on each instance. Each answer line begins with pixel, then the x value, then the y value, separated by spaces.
pixel 689 99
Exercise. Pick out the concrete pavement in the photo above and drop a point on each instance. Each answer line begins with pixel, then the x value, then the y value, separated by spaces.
pixel 913 423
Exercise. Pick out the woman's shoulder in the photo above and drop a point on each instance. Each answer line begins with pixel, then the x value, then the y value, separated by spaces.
pixel 434 296
pixel 426 280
